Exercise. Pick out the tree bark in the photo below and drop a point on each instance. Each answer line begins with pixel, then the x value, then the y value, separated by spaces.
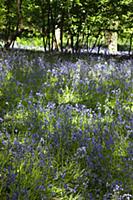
pixel 19 26
pixel 130 46
pixel 111 36
pixel 48 26
pixel 13 37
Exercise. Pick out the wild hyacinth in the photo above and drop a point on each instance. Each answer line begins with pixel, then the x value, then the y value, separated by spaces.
pixel 65 127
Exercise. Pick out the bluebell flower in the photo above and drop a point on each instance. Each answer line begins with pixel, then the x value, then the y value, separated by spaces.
pixel 1 120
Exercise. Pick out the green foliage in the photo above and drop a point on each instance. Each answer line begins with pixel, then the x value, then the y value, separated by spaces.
pixel 77 20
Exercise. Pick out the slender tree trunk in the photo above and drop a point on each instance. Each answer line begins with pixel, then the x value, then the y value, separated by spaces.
pixel 48 26
pixel 99 44
pixel 43 37
pixel 52 42
pixel 130 46
pixel 72 46
pixel 44 43
pixel 8 21
pixel 96 41
pixel 57 38
pixel 69 43
pixel 77 43
pixel 61 31
pixel 82 41
pixel 53 30
pixel 87 42
pixel 19 15
pixel 19 26
pixel 43 25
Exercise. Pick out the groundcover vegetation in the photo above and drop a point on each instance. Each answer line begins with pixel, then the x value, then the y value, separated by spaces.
pixel 65 128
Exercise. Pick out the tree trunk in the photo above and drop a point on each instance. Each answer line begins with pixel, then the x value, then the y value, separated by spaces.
pixel 12 38
pixel 61 31
pixel 130 46
pixel 57 38
pixel 112 37
pixel 19 26
pixel 48 26
pixel 69 43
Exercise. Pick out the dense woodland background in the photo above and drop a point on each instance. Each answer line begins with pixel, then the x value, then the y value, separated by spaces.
pixel 68 25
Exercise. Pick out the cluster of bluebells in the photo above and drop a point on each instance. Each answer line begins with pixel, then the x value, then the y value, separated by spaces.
pixel 65 128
